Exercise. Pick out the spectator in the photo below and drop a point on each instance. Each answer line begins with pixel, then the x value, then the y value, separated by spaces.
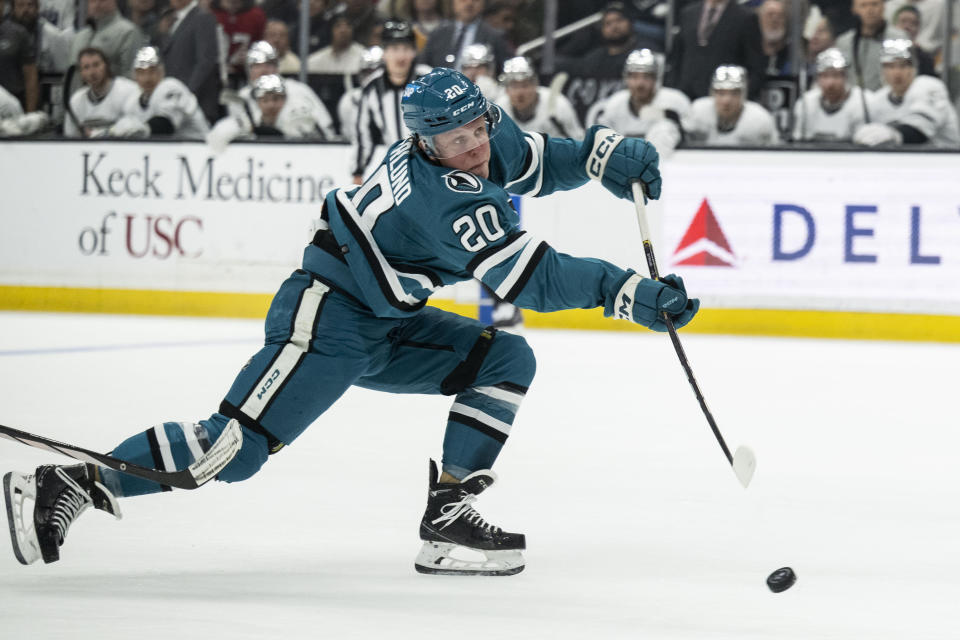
pixel 350 100
pixel 502 16
pixel 607 60
pixel 366 20
pixel 832 110
pixel 302 103
pixel 343 55
pixel 318 33
pixel 278 35
pixel 726 117
pixel 536 108
pixel 447 42
pixel 162 106
pixel 379 120
pixel 18 63
pixel 285 11
pixel 775 42
pixel 423 15
pixel 98 105
pixel 907 19
pixel 13 122
pixel 861 45
pixel 478 67
pixel 714 32
pixel 110 32
pixel 644 109
pixel 242 22
pixel 187 38
pixel 51 44
pixel 821 38
pixel 144 14
pixel 909 109
pixel 931 15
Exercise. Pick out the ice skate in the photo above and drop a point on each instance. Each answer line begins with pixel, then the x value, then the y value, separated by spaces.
pixel 59 495
pixel 457 540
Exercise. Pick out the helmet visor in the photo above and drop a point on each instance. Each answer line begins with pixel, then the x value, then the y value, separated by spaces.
pixel 465 138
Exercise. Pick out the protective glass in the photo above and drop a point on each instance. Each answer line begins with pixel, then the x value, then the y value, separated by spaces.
pixel 468 137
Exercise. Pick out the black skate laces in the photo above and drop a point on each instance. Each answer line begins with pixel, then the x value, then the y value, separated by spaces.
pixel 71 502
pixel 453 510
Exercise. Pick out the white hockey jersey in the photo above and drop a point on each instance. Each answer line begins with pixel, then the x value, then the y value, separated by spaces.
pixel 755 127
pixel 303 109
pixel 814 123
pixel 9 106
pixel 94 116
pixel 615 112
pixel 171 99
pixel 554 115
pixel 347 112
pixel 925 107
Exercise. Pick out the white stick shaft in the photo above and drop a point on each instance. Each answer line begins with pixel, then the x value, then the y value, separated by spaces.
pixel 640 201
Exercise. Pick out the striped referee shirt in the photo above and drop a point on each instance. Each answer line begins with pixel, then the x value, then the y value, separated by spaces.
pixel 379 120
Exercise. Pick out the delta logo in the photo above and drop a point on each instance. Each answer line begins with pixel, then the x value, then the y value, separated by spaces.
pixel 704 244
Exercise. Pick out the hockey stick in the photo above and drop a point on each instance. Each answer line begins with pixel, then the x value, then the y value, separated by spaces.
pixel 198 473
pixel 744 463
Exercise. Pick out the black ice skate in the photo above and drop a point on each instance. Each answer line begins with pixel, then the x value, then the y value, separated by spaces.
pixel 457 540
pixel 59 495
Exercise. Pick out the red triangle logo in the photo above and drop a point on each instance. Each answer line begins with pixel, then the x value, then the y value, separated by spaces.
pixel 705 231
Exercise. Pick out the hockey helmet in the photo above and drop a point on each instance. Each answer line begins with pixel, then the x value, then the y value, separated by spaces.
pixel 477 55
pixel 641 61
pixel 831 59
pixel 261 52
pixel 397 32
pixel 894 50
pixel 444 100
pixel 729 77
pixel 371 58
pixel 267 84
pixel 147 58
pixel 518 69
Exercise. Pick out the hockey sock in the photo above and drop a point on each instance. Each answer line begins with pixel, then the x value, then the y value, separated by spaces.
pixel 477 427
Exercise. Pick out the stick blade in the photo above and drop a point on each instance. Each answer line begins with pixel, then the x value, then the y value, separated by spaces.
pixel 744 464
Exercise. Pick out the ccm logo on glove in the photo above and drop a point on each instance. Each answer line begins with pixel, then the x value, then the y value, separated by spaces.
pixel 603 143
pixel 643 300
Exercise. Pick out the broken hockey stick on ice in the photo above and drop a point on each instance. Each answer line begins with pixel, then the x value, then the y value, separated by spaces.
pixel 203 469
pixel 743 461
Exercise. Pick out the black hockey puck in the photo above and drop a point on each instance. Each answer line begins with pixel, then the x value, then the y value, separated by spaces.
pixel 781 579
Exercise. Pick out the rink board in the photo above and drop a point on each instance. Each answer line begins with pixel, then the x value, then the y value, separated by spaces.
pixel 778 243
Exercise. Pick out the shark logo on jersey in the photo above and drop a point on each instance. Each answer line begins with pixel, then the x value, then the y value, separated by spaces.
pixel 462 182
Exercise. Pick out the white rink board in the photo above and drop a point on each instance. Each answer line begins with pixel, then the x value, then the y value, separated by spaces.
pixel 859 231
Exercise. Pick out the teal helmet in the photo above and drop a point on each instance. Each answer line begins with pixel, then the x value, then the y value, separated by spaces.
pixel 444 100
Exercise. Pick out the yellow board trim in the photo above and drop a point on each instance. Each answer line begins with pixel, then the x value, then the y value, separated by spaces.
pixel 766 322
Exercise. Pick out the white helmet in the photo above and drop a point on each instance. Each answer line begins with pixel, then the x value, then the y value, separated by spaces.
pixel 261 52
pixel 831 58
pixel 269 83
pixel 517 69
pixel 147 58
pixel 729 76
pixel 641 61
pixel 476 55
pixel 898 49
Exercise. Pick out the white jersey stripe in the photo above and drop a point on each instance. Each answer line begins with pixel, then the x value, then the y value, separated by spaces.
pixel 518 269
pixel 536 164
pixel 507 252
pixel 284 365
pixel 164 445
pixel 191 439
pixel 510 397
pixel 480 416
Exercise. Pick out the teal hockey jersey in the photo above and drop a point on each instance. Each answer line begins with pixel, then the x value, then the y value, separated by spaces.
pixel 414 226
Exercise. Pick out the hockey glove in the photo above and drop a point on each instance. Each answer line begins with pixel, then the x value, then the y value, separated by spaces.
pixel 643 301
pixel 875 134
pixel 617 161
pixel 129 127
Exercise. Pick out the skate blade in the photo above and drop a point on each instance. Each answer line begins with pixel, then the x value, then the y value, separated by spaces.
pixel 447 559
pixel 17 489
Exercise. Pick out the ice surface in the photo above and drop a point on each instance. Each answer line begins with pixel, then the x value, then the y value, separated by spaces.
pixel 636 525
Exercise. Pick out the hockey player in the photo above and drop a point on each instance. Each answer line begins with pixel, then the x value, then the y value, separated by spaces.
pixel 378 122
pixel 644 109
pixel 272 120
pixel 262 60
pixel 434 212
pixel 832 110
pixel 726 117
pixel 98 105
pixel 909 109
pixel 536 108
pixel 164 105
pixel 477 63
